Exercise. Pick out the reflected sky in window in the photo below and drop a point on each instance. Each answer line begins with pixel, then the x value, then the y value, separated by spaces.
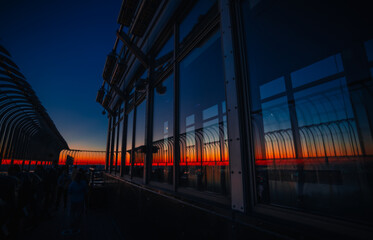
pixel 272 88
pixel 167 47
pixel 140 125
pixel 369 49
pixel 321 69
pixel 191 20
pixel 163 111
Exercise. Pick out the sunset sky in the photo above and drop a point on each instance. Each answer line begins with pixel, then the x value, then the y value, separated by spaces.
pixel 61 47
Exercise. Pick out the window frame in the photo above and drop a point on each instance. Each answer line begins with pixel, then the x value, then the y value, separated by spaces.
pixel 298 218
pixel 211 24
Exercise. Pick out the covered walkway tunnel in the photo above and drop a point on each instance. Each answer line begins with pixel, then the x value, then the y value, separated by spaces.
pixel 27 133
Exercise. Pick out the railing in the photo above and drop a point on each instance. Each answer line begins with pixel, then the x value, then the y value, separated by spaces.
pixel 204 146
pixel 327 139
pixel 25 127
pixel 83 157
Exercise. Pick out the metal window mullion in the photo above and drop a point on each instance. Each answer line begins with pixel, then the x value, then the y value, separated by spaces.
pixel 112 144
pixel 124 139
pixel 176 111
pixel 117 144
pixel 133 134
pixel 293 117
pixel 149 126
pixel 108 144
pixel 234 141
pixel 355 61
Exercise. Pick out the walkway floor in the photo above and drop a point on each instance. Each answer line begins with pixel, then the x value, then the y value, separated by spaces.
pixel 95 224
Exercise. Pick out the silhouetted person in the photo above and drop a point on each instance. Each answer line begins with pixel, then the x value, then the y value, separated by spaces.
pixel 62 187
pixel 49 183
pixel 26 201
pixel 39 191
pixel 77 191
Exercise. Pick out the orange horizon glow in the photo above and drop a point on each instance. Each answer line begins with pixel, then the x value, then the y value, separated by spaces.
pixel 83 157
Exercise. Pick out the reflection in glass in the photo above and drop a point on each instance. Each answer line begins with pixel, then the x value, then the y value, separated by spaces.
pixel 311 119
pixel 369 49
pixel 272 88
pixel 326 121
pixel 121 113
pixel 140 150
pixel 193 17
pixel 204 161
pixel 324 68
pixel 118 153
pixel 167 47
pixel 127 162
pixel 163 130
pixel 277 129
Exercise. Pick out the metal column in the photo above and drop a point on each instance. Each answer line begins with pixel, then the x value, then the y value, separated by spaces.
pixel 108 145
pixel 112 143
pixel 149 128
pixel 233 123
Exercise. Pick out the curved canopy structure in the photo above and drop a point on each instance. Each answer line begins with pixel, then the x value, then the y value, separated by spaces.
pixel 26 130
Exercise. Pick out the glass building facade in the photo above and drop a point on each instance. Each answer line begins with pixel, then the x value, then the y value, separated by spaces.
pixel 310 91
pixel 256 104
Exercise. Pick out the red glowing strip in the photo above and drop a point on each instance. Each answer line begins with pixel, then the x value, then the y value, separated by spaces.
pixel 6 161
pixel 307 161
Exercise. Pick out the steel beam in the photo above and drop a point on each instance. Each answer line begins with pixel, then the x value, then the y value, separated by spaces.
pixel 134 49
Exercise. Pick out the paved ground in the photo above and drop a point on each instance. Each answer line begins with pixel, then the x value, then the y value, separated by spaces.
pixel 95 224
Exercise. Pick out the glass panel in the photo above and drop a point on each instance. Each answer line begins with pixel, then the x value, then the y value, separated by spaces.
pixel 318 70
pixel 277 129
pixel 167 47
pixel 204 162
pixel 272 88
pixel 113 141
pixel 163 131
pixel 145 74
pixel 118 158
pixel 139 151
pixel 369 49
pixel 310 88
pixel 127 163
pixel 326 121
pixel 193 17
pixel 121 110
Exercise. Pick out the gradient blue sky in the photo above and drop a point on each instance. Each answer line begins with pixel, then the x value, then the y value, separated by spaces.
pixel 61 47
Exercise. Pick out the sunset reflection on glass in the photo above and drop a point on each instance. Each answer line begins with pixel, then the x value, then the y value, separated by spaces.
pixel 204 161
pixel 310 116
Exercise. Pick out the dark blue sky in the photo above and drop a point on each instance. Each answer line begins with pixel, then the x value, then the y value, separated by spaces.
pixel 61 47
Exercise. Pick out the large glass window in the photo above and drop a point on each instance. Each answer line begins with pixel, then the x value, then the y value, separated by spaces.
pixel 167 48
pixel 310 89
pixel 163 131
pixel 140 150
pixel 204 162
pixel 194 16
pixel 113 144
pixel 128 150
pixel 118 156
pixel 165 55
